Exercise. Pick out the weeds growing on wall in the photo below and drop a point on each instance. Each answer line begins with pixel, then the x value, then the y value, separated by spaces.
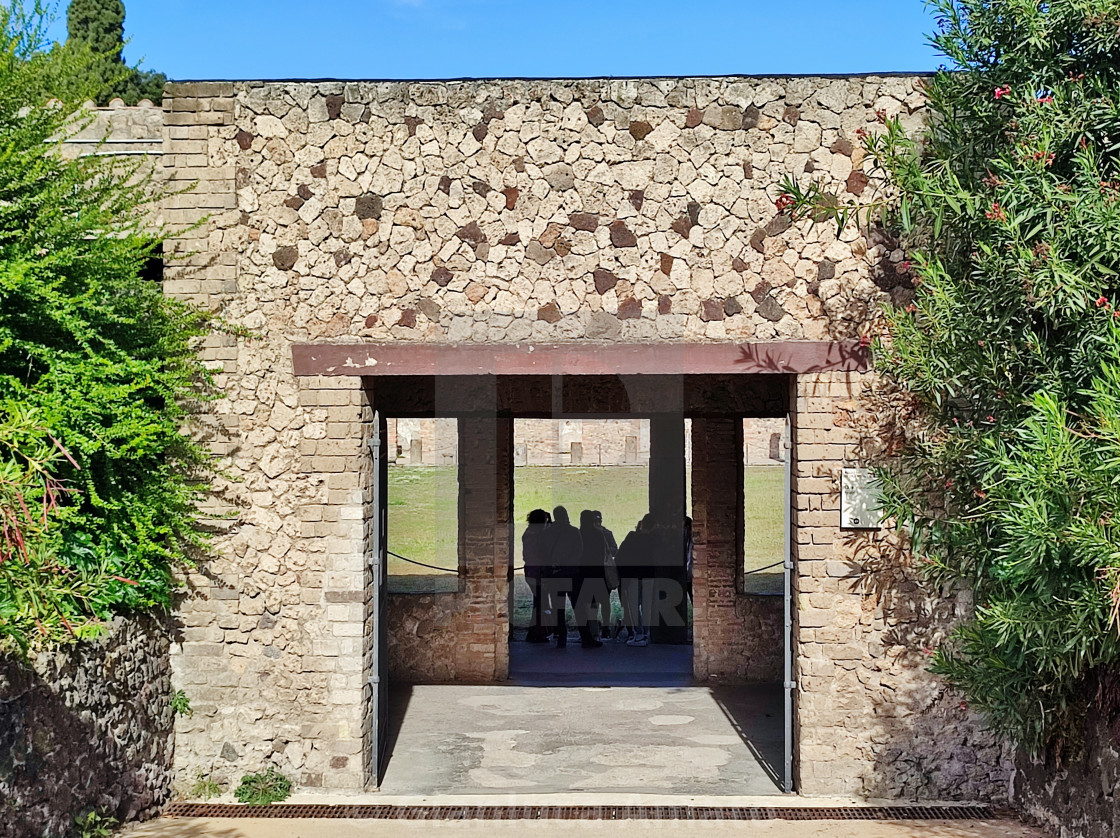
pixel 93 356
pixel 1009 477
pixel 264 788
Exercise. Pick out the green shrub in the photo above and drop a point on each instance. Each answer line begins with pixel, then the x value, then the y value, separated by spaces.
pixel 181 704
pixel 95 352
pixel 262 789
pixel 94 825
pixel 204 787
pixel 1008 357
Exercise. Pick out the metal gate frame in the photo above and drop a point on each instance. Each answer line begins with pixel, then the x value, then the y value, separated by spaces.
pixel 378 678
pixel 788 682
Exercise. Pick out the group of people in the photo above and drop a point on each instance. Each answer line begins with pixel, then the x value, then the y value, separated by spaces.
pixel 651 570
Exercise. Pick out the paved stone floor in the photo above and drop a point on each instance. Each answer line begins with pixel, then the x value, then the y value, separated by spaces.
pixel 261 828
pixel 464 740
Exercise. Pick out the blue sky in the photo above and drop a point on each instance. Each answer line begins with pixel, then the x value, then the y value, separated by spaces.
pixel 251 39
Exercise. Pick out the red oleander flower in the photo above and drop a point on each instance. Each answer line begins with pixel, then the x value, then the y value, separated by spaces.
pixel 1101 301
pixel 1045 100
pixel 996 213
pixel 980 493
pixel 784 203
pixel 861 133
pixel 865 340
pixel 991 418
pixel 948 484
pixel 1002 91
pixel 964 705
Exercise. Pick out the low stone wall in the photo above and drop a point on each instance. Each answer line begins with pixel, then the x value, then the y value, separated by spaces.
pixel 86 728
pixel 1081 798
pixel 118 130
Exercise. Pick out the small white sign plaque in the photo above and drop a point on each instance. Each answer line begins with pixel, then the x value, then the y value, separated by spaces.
pixel 860 500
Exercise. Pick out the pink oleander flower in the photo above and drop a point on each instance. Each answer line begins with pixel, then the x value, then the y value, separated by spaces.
pixel 1002 91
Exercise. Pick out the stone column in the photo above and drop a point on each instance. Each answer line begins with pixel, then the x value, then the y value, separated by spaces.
pixel 485 543
pixel 717 531
pixel 666 501
pixel 666 465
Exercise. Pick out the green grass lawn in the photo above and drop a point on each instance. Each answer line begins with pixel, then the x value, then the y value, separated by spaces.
pixel 423 504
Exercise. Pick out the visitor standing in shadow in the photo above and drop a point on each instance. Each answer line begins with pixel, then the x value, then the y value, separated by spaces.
pixel 610 574
pixel 532 551
pixel 633 561
pixel 563 551
pixel 591 589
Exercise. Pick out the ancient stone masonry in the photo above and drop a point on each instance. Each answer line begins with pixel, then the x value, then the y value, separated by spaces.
pixel 87 728
pixel 871 720
pixel 118 130
pixel 1077 794
pixel 517 212
pixel 546 211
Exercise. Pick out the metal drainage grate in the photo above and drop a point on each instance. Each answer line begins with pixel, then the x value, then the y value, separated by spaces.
pixel 585 813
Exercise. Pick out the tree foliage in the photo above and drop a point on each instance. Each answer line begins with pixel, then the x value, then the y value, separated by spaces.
pixel 98 26
pixel 1009 204
pixel 94 355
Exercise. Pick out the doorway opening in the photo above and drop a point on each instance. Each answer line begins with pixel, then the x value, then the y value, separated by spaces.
pixel 653 447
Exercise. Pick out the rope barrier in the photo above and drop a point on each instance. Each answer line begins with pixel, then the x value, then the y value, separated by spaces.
pixel 760 569
pixel 522 567
pixel 421 564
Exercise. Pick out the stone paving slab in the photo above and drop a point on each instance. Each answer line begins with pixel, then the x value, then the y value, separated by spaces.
pixel 266 828
pixel 467 740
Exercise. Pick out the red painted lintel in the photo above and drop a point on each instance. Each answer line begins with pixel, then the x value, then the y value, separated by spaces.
pixel 778 357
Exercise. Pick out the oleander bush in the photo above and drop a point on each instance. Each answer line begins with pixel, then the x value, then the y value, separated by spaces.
pixel 1008 478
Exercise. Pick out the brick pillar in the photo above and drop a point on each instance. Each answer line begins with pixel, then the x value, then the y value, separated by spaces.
pixel 485 544
pixel 835 716
pixel 666 500
pixel 717 526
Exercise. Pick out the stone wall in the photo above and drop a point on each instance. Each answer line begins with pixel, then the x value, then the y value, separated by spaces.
pixel 118 130
pixel 613 211
pixel 86 728
pixel 1078 797
pixel 871 720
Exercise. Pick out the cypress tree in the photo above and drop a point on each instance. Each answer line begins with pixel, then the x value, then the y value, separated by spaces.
pixel 98 25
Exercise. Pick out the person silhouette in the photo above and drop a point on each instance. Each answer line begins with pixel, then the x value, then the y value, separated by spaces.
pixel 532 551
pixel 591 588
pixel 563 549
pixel 634 560
pixel 610 574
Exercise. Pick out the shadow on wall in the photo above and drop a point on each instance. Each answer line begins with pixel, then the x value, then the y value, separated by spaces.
pixel 87 728
pixel 1080 794
pixel 921 739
